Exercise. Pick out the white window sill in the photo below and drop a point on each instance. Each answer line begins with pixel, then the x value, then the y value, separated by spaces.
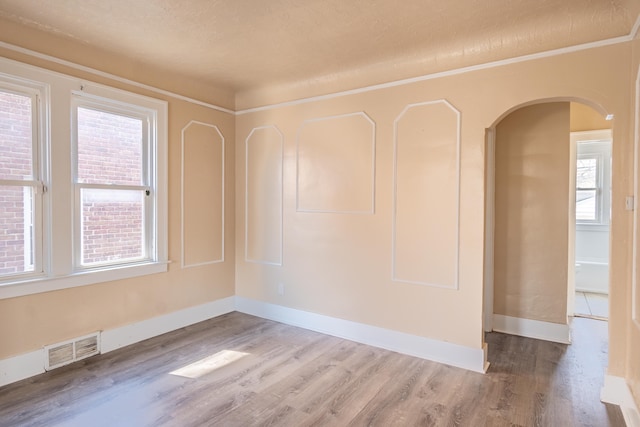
pixel 47 284
pixel 585 226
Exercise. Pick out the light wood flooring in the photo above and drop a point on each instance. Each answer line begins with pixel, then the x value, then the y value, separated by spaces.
pixel 590 304
pixel 254 372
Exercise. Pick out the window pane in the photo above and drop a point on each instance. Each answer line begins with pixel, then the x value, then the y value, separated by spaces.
pixel 109 148
pixel 586 205
pixel 16 230
pixel 112 225
pixel 586 173
pixel 16 147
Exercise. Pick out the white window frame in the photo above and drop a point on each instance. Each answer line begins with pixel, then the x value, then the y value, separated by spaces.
pixel 39 93
pixel 595 144
pixel 599 190
pixel 58 258
pixel 149 178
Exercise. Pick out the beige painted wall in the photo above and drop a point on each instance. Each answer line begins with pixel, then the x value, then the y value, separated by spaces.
pixel 631 310
pixel 532 213
pixel 342 265
pixel 584 118
pixel 27 323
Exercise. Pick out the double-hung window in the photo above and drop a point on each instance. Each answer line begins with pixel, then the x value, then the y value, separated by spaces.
pixel 21 188
pixel 114 175
pixel 83 182
pixel 593 177
pixel 589 188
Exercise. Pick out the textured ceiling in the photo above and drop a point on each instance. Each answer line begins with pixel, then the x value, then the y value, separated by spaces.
pixel 246 45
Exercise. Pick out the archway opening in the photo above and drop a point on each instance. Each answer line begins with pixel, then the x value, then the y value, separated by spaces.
pixel 548 207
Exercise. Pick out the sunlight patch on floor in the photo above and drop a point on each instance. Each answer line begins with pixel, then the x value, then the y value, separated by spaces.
pixel 209 364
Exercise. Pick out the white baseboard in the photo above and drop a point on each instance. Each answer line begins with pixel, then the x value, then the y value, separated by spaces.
pixel 29 364
pixel 616 391
pixel 592 277
pixel 114 339
pixel 547 331
pixel 473 359
pixel 21 367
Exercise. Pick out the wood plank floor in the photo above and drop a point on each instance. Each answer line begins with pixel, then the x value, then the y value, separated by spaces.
pixel 255 372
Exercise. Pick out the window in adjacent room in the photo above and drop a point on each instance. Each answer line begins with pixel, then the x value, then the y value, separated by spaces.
pixel 593 177
pixel 589 188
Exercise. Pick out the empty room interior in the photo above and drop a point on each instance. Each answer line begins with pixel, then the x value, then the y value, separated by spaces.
pixel 319 212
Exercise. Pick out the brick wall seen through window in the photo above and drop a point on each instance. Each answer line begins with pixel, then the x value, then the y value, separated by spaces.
pixel 110 152
pixel 16 164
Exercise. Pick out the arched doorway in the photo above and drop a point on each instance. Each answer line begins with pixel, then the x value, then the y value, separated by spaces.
pixel 530 221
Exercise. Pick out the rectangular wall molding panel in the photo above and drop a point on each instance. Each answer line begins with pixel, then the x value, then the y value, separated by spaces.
pixel 426 195
pixel 263 195
pixel 202 194
pixel 335 164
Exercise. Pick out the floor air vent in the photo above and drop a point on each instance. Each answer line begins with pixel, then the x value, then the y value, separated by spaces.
pixel 63 353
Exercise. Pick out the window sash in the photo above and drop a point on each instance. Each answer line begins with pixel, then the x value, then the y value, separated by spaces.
pixel 149 247
pixel 598 194
pixel 32 211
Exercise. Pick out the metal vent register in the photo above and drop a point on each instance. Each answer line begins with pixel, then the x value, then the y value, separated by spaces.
pixel 61 354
